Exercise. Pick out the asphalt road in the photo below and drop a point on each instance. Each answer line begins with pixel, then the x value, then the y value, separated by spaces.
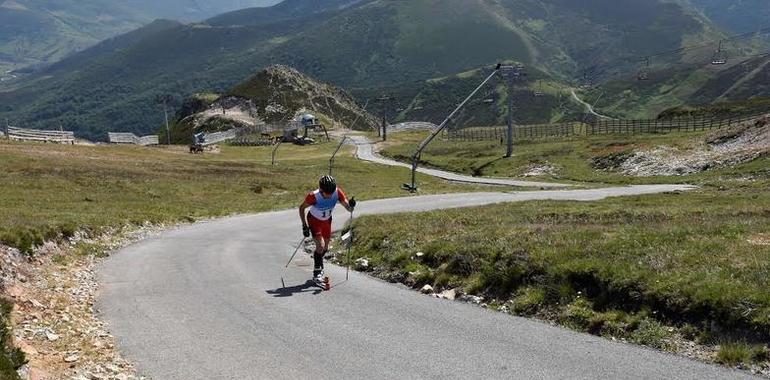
pixel 365 151
pixel 205 302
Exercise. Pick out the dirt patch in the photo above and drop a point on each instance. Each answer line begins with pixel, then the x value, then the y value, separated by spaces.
pixel 540 169
pixel 54 321
pixel 721 149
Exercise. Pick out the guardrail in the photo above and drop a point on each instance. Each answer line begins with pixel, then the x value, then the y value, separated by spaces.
pixel 130 138
pixel 23 134
pixel 217 137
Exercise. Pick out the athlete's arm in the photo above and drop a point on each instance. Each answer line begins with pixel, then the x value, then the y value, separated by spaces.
pixel 303 214
pixel 344 201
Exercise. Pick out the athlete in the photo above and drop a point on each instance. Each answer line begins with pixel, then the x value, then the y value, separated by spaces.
pixel 318 221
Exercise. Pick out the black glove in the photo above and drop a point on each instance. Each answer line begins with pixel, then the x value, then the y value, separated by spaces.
pixel 306 231
pixel 352 203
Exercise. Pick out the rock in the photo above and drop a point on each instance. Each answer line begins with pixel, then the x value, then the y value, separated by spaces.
pixel 71 358
pixel 23 372
pixel 25 347
pixel 450 294
pixel 38 374
pixel 37 304
pixel 427 289
pixel 419 255
pixel 15 291
pixel 51 336
pixel 362 263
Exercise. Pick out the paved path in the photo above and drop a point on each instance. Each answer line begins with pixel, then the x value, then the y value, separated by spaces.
pixel 365 151
pixel 205 302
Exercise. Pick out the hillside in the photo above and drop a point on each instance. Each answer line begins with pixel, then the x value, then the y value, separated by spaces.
pixel 738 16
pixel 538 98
pixel 273 95
pixel 372 43
pixel 693 85
pixel 40 32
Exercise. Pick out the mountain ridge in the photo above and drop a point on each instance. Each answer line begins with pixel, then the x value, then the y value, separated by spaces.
pixel 372 43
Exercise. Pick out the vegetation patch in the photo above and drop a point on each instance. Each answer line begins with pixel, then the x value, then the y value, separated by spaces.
pixel 11 358
pixel 52 191
pixel 645 269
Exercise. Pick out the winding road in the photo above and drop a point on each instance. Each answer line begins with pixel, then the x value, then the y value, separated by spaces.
pixel 205 301
pixel 365 151
pixel 588 106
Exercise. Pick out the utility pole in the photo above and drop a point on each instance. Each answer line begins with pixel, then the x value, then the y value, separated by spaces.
pixel 165 114
pixel 511 73
pixel 7 127
pixel 384 129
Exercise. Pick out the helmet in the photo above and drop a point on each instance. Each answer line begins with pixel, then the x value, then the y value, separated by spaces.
pixel 327 184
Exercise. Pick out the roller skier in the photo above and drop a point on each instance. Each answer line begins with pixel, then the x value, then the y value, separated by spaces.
pixel 316 216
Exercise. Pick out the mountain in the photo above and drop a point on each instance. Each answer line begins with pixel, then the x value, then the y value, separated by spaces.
pixel 741 78
pixel 355 44
pixel 538 98
pixel 738 16
pixel 273 95
pixel 39 32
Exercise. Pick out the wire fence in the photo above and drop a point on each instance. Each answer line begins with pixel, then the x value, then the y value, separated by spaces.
pixel 593 127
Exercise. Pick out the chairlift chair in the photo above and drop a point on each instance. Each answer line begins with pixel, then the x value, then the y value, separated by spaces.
pixel 539 91
pixel 720 58
pixel 644 71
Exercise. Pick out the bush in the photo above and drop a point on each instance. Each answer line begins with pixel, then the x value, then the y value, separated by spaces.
pixel 11 358
pixel 529 300
pixel 733 353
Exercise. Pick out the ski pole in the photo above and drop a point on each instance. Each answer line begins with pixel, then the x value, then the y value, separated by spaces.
pixel 350 244
pixel 290 260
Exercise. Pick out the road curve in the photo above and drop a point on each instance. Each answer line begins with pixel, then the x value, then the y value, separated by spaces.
pixel 365 151
pixel 205 302
pixel 588 106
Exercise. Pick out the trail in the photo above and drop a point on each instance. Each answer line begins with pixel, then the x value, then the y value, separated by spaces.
pixel 588 107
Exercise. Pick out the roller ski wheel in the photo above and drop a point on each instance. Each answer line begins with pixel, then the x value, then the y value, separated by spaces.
pixel 323 283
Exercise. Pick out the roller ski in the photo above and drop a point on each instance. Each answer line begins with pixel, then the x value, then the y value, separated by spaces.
pixel 322 282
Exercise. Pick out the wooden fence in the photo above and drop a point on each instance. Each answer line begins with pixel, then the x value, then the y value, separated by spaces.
pixel 23 134
pixel 130 138
pixel 520 132
pixel 605 126
pixel 597 127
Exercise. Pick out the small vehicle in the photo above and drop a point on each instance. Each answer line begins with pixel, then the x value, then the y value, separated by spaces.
pixel 199 139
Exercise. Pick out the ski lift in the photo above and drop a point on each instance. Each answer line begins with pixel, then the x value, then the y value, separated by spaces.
pixel 489 100
pixel 644 71
pixel 539 91
pixel 720 58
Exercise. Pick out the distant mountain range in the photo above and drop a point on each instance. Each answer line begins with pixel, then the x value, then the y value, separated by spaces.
pixel 737 16
pixel 39 32
pixel 367 46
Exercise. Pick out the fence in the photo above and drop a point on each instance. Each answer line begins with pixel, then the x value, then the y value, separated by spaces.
pixel 520 132
pixel 598 127
pixel 23 134
pixel 130 138
pixel 218 137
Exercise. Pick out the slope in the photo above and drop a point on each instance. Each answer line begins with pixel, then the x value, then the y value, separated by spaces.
pixel 40 32
pixel 684 85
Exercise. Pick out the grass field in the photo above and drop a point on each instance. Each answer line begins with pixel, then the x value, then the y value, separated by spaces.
pixel 54 190
pixel 572 157
pixel 646 269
